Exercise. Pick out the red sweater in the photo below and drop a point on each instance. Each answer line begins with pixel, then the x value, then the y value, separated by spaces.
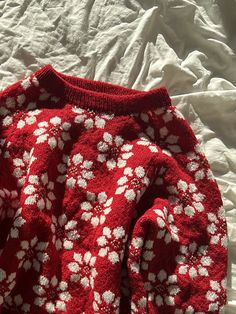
pixel 107 202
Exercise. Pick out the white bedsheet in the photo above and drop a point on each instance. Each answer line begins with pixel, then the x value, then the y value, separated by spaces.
pixel 189 46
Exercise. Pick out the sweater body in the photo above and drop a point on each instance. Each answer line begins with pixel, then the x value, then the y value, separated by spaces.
pixel 107 203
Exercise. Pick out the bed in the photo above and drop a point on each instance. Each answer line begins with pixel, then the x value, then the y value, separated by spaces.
pixel 188 46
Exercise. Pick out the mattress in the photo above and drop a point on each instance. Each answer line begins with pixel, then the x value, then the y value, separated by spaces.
pixel 188 46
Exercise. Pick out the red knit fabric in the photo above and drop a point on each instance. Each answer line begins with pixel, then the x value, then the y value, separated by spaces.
pixel 107 202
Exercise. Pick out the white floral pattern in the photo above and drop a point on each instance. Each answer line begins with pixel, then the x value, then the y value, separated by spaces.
pixel 144 141
pixel 112 244
pixel 168 140
pixel 133 183
pixel 83 270
pixel 15 303
pixel 165 221
pixel 18 222
pixel 65 232
pixel 194 260
pixel 52 294
pixel 96 207
pixel 32 254
pixel 90 118
pixel 7 283
pixel 106 302
pixel 217 227
pixel 22 166
pixel 139 307
pixel 9 203
pixel 198 164
pixel 216 296
pixel 55 132
pixel 162 288
pixel 186 198
pixel 75 170
pixel 39 191
pixel 113 151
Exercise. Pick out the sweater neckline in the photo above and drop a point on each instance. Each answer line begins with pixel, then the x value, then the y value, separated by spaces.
pixel 100 95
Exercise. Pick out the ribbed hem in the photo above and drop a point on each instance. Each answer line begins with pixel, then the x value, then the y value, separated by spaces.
pixel 99 95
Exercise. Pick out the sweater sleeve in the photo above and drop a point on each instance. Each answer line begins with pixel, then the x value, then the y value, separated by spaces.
pixel 177 260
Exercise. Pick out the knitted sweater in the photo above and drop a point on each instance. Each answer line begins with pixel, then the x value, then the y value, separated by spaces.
pixel 107 202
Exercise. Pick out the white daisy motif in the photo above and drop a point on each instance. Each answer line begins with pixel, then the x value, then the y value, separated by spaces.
pixel 65 232
pixel 112 244
pixel 133 183
pixel 7 283
pixel 198 164
pixel 75 170
pixel 55 133
pixel 162 288
pixel 165 221
pixel 139 307
pixel 217 227
pixel 96 207
pixel 39 191
pixel 28 118
pixel 188 310
pixel 22 166
pixel 91 118
pixel 186 198
pixel 10 104
pixel 52 294
pixel 83 270
pixel 15 303
pixel 141 253
pixel 9 202
pixel 18 222
pixel 168 140
pixel 193 260
pixel 113 151
pixel 168 114
pixel 216 296
pixel 106 302
pixel 32 254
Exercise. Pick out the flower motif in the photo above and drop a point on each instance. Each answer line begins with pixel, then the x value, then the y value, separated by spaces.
pixel 16 304
pixel 54 133
pixel 162 288
pixel 75 170
pixel 133 183
pixel 107 302
pixel 168 140
pixel 7 283
pixel 22 166
pixel 27 118
pixel 95 208
pixel 185 197
pixel 140 253
pixel 140 306
pixel 198 164
pixel 188 310
pixel 113 151
pixel 64 232
pixel 17 224
pixel 112 244
pixel 83 269
pixel 32 254
pixel 217 227
pixel 9 202
pixel 216 295
pixel 193 260
pixel 168 114
pixel 91 118
pixel 165 222
pixel 39 191
pixel 52 294
pixel 10 104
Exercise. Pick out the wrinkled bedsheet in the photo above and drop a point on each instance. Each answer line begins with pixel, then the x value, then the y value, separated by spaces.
pixel 189 46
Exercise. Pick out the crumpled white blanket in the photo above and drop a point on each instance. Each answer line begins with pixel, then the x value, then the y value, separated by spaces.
pixel 188 46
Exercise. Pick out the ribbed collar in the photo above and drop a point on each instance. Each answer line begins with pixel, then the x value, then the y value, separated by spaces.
pixel 100 95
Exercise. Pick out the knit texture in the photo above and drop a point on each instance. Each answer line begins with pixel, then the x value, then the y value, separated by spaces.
pixel 107 202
